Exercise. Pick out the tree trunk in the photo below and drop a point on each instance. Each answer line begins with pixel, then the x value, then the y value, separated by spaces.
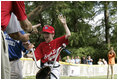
pixel 32 15
pixel 106 17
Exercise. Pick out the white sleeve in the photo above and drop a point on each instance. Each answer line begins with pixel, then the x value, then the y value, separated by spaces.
pixel 14 25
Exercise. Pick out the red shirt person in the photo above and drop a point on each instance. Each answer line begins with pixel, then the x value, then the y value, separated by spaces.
pixel 46 51
pixel 17 7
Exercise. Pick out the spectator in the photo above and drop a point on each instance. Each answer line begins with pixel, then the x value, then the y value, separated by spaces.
pixel 104 61
pixel 68 59
pixel 111 62
pixel 100 62
pixel 77 60
pixel 84 60
pixel 89 60
pixel 72 60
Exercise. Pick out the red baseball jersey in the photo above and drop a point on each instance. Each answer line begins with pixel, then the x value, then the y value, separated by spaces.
pixel 17 7
pixel 46 51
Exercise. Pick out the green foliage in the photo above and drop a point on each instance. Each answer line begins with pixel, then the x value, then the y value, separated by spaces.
pixel 74 39
pixel 83 51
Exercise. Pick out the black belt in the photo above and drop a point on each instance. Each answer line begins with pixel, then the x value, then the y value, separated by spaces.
pixel 13 59
pixel 56 66
pixel 50 62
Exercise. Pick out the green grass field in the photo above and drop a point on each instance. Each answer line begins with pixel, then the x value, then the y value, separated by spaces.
pixel 84 77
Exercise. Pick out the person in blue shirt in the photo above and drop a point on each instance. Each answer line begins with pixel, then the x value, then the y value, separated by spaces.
pixel 89 60
pixel 78 60
pixel 15 49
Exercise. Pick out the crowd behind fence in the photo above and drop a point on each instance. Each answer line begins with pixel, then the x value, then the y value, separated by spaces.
pixel 84 60
pixel 68 69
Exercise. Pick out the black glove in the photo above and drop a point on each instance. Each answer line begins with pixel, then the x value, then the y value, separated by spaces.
pixel 43 73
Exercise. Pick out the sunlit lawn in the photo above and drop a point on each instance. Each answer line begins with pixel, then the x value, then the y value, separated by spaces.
pixel 83 77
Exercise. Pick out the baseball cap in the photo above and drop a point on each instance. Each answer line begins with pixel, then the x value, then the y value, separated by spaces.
pixel 48 29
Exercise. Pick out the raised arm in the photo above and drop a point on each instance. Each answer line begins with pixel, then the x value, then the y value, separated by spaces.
pixel 63 21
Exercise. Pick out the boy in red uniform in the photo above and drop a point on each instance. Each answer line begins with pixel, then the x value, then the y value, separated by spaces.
pixel 47 50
